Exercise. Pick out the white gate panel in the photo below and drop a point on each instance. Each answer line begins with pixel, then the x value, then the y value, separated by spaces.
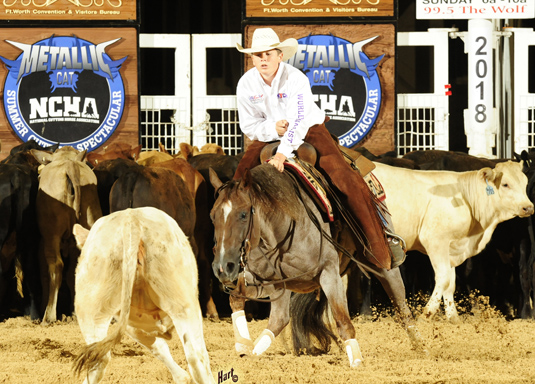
pixel 215 118
pixel 524 101
pixel 423 118
pixel 166 119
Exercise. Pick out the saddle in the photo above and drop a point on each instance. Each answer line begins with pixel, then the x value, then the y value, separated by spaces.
pixel 314 181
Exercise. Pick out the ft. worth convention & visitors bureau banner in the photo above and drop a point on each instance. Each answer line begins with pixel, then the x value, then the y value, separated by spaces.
pixel 296 9
pixel 68 10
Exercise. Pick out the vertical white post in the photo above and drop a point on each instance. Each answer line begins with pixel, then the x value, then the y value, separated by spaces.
pixel 479 117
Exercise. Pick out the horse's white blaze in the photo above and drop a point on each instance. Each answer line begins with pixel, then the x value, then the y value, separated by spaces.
pixel 227 208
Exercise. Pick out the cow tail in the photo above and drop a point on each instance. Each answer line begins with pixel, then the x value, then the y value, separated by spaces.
pixel 311 335
pixel 133 253
pixel 73 184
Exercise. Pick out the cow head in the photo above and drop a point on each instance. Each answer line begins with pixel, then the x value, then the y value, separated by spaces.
pixel 508 183
pixel 45 157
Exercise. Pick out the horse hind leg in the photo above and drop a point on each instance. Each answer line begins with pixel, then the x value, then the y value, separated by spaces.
pixel 393 285
pixel 334 291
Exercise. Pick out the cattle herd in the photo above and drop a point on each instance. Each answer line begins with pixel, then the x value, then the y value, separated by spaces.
pixel 127 234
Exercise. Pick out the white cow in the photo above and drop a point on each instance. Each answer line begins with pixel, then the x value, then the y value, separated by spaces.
pixel 137 266
pixel 450 216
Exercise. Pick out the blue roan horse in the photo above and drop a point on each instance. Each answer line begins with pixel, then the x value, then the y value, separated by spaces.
pixel 267 245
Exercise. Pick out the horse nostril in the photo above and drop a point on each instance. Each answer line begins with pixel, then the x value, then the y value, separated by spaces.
pixel 230 267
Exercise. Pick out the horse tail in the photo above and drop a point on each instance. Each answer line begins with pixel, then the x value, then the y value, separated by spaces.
pixel 311 335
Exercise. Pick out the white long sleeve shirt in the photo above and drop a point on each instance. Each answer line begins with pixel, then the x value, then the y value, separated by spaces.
pixel 289 98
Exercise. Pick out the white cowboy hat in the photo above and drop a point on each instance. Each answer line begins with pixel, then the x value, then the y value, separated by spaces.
pixel 265 39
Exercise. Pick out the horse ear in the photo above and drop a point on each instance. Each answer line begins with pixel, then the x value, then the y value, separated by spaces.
pixel 246 179
pixel 214 179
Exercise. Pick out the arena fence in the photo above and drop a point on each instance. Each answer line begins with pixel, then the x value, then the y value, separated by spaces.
pixel 191 115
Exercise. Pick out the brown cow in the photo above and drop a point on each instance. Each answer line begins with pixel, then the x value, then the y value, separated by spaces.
pixel 67 195
pixel 114 151
pixel 198 188
pixel 156 187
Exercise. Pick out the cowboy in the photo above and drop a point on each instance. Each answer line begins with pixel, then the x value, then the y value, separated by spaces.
pixel 275 102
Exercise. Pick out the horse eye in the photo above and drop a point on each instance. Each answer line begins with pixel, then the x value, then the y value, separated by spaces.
pixel 243 215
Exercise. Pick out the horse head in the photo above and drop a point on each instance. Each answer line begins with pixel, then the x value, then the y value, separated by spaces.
pixel 235 232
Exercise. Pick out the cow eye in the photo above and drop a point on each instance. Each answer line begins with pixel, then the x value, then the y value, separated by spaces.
pixel 505 185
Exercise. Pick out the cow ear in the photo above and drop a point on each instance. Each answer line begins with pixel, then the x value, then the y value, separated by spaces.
pixel 486 174
pixel 43 157
pixel 135 152
pixel 80 234
pixel 214 179
pixel 81 155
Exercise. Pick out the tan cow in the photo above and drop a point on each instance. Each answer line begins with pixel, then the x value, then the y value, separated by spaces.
pixel 137 265
pixel 450 216
pixel 67 195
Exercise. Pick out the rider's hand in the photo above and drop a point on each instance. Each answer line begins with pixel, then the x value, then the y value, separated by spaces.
pixel 281 126
pixel 278 161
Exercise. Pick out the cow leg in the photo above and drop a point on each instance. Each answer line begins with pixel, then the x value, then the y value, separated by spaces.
pixel 332 286
pixel 54 263
pixel 189 328
pixel 449 303
pixel 160 350
pixel 442 282
pixel 94 329
pixel 525 281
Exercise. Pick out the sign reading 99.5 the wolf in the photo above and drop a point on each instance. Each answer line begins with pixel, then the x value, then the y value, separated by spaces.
pixel 351 74
pixel 64 89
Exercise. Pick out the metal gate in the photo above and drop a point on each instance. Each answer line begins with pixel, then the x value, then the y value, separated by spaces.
pixel 189 115
pixel 523 100
pixel 423 118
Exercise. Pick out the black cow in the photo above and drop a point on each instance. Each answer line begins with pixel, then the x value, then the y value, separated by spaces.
pixel 19 237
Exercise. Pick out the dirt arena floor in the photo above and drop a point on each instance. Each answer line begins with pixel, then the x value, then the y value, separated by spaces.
pixel 483 348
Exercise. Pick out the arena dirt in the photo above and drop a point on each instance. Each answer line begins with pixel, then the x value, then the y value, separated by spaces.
pixel 483 348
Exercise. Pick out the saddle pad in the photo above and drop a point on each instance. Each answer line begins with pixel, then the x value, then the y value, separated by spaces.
pixel 375 186
pixel 317 191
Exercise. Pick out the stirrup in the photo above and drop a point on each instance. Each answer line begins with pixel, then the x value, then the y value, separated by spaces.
pixel 398 249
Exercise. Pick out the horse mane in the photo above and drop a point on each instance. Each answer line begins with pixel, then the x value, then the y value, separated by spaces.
pixel 273 191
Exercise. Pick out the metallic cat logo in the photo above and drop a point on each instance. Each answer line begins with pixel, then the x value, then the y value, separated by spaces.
pixel 64 90
pixel 344 81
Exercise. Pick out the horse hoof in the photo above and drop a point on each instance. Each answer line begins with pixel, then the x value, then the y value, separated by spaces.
pixel 356 363
pixel 243 349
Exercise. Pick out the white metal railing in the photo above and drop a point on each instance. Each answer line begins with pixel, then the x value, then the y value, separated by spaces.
pixel 523 100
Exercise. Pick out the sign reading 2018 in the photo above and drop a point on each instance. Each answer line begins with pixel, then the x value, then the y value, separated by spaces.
pixel 64 90
pixel 345 83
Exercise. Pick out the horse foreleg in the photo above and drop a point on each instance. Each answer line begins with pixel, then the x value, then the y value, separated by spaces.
pixel 332 286
pixel 243 343
pixel 279 317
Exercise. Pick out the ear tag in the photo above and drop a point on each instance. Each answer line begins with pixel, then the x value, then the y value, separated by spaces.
pixel 489 189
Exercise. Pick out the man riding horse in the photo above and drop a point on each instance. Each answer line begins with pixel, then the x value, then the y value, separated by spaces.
pixel 275 102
